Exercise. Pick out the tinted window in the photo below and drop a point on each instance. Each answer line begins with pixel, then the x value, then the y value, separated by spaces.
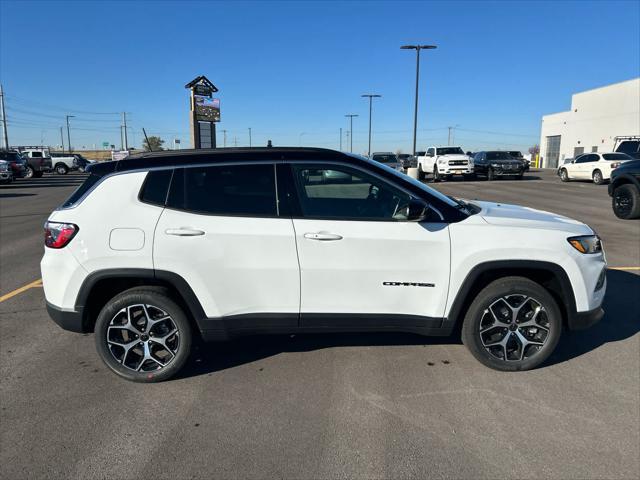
pixel 629 146
pixel 36 154
pixel 499 156
pixel 81 190
pixel 385 158
pixel 155 187
pixel 616 156
pixel 450 151
pixel 245 190
pixel 343 193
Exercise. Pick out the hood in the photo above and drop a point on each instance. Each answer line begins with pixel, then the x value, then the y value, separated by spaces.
pixel 517 216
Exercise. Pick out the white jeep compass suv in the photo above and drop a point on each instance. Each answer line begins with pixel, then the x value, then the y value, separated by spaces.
pixel 156 249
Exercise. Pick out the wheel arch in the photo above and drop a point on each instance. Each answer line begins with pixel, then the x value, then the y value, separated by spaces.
pixel 99 287
pixel 625 179
pixel 550 275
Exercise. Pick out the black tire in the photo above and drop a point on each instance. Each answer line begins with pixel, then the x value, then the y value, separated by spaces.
pixel 547 326
pixel 626 202
pixel 471 176
pixel 436 175
pixel 421 174
pixel 597 177
pixel 28 172
pixel 491 175
pixel 61 169
pixel 38 174
pixel 564 175
pixel 129 304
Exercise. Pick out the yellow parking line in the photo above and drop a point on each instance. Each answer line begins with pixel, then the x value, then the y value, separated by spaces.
pixel 624 268
pixel 17 291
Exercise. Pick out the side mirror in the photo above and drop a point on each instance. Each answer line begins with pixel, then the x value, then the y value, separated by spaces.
pixel 429 154
pixel 417 210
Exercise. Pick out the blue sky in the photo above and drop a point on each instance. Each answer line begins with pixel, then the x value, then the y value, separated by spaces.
pixel 292 70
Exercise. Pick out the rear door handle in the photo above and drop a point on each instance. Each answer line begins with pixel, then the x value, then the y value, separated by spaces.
pixel 184 232
pixel 322 236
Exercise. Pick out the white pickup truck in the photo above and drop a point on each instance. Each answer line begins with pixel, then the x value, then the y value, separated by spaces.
pixel 443 162
pixel 63 162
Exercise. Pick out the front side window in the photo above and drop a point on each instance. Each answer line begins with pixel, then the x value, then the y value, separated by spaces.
pixel 343 193
pixel 235 190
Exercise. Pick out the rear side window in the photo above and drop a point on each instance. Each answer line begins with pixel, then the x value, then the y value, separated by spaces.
pixel 155 187
pixel 81 190
pixel 235 190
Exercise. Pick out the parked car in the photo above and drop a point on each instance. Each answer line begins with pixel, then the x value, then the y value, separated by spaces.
pixel 164 246
pixel 38 161
pixel 564 162
pixel 517 154
pixel 624 190
pixel 16 162
pixel 444 162
pixel 82 162
pixel 63 163
pixel 497 164
pixel 388 158
pixel 6 174
pixel 629 145
pixel 407 160
pixel 593 166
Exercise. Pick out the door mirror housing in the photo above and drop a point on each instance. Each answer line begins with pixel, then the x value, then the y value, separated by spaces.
pixel 429 154
pixel 417 210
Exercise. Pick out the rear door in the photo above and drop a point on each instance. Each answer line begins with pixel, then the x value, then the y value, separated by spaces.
pixel 222 234
pixel 362 264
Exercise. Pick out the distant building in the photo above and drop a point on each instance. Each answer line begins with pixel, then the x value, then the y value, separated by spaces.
pixel 596 117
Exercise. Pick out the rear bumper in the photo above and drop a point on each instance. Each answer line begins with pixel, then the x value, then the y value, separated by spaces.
pixel 583 320
pixel 67 319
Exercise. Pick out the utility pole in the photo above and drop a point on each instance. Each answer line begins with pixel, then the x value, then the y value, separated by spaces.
pixel 235 141
pixel 4 120
pixel 450 138
pixel 340 138
pixel 351 115
pixel 224 136
pixel 62 139
pixel 371 97
pixel 417 48
pixel 124 129
pixel 249 137
pixel 68 132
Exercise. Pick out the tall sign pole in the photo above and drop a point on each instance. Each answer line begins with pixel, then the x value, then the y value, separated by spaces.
pixel 5 136
pixel 204 112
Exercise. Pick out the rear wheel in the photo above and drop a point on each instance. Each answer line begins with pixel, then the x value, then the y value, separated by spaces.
pixel 626 202
pixel 597 177
pixel 143 335
pixel 564 175
pixel 512 324
pixel 37 174
pixel 28 173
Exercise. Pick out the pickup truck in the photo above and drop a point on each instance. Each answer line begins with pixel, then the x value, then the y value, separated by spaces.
pixel 38 161
pixel 63 162
pixel 444 162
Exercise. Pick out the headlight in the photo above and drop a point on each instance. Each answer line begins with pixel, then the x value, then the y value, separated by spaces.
pixel 442 160
pixel 4 167
pixel 586 243
pixel 496 165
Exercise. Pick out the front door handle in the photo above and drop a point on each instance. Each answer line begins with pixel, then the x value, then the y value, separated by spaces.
pixel 322 236
pixel 184 232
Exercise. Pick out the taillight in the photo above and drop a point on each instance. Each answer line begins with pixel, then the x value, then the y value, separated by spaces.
pixel 58 235
pixel 615 164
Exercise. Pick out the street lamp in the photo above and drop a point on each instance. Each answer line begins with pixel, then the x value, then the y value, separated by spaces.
pixel 68 134
pixel 351 115
pixel 371 97
pixel 417 48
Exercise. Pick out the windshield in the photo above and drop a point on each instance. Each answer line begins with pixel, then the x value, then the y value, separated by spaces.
pixel 629 146
pixel 450 151
pixel 616 156
pixel 515 154
pixel 385 158
pixel 499 156
pixel 405 178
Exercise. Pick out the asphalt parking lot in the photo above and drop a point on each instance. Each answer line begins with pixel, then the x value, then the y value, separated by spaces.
pixel 322 406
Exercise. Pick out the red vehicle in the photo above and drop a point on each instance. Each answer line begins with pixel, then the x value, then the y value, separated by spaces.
pixel 16 162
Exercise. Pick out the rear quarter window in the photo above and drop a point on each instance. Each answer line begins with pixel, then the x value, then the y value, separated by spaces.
pixel 81 190
pixel 155 187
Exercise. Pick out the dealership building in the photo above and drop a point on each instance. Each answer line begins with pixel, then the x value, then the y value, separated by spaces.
pixel 596 118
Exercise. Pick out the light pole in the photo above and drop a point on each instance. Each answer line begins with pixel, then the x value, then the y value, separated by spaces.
pixel 371 97
pixel 351 115
pixel 449 137
pixel 62 139
pixel 340 138
pixel 68 134
pixel 249 137
pixel 417 48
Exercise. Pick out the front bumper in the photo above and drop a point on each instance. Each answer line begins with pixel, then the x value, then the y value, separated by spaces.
pixel 583 320
pixel 455 169
pixel 6 176
pixel 67 319
pixel 504 171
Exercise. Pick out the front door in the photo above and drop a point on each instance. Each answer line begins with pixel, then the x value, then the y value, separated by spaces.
pixel 361 262
pixel 222 234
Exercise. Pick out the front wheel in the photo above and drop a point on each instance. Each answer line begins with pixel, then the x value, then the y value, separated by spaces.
pixel 142 335
pixel 626 202
pixel 491 175
pixel 436 174
pixel 38 174
pixel 28 173
pixel 564 175
pixel 421 174
pixel 512 324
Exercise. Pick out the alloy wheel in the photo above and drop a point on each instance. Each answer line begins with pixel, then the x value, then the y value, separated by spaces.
pixel 514 327
pixel 143 338
pixel 623 202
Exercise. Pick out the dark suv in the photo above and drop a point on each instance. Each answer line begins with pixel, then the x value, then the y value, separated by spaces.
pixel 17 164
pixel 497 164
pixel 624 189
